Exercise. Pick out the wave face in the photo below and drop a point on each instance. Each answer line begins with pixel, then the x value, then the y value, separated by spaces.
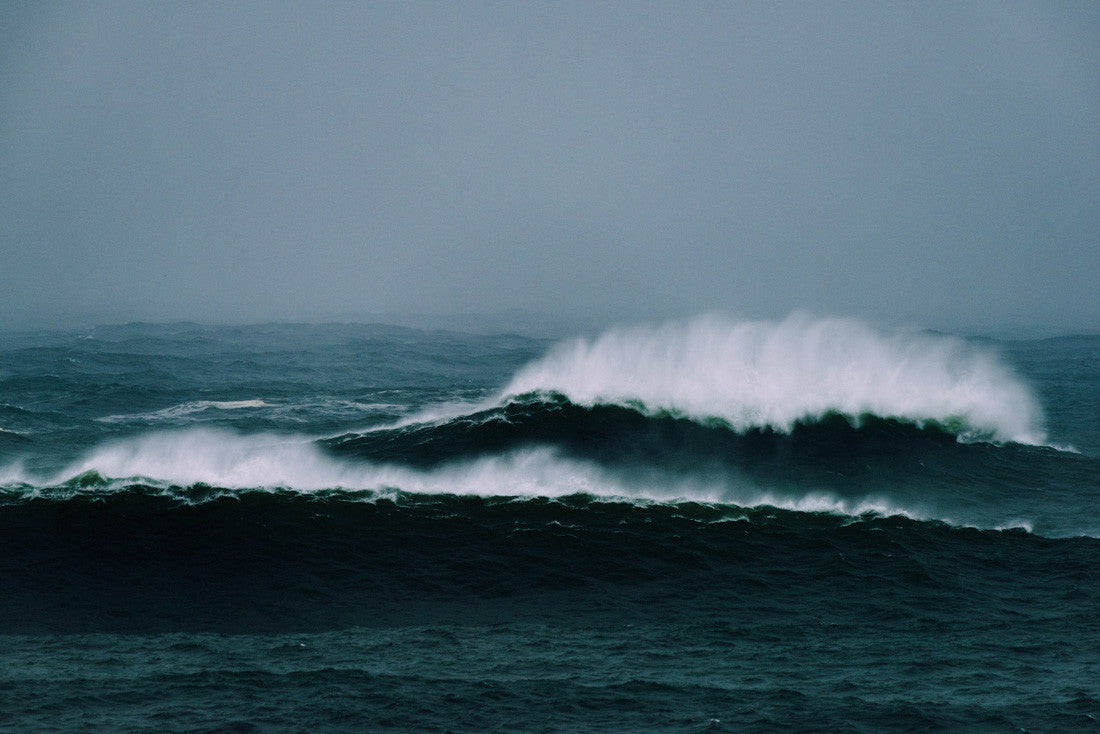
pixel 774 375
pixel 804 524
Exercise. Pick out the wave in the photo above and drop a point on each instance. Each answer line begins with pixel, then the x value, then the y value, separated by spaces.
pixel 896 485
pixel 229 460
pixel 233 462
pixel 618 434
pixel 779 374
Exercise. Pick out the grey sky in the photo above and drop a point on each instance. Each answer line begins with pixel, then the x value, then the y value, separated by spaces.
pixel 920 162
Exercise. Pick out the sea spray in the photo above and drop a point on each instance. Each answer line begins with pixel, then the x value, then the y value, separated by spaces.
pixel 773 374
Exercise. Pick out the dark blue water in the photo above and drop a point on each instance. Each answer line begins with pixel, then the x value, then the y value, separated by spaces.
pixel 705 526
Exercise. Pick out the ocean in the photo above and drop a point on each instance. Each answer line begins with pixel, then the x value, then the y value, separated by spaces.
pixel 699 526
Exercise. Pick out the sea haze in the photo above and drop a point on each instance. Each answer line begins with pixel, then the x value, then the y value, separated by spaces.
pixel 931 163
pixel 700 525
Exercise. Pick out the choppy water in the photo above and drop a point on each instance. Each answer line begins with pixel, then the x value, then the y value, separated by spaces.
pixel 702 526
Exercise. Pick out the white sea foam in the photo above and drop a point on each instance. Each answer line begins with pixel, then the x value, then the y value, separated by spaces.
pixel 231 461
pixel 227 460
pixel 185 409
pixel 15 473
pixel 772 374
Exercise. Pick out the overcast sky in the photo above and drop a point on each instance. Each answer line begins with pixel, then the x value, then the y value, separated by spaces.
pixel 930 163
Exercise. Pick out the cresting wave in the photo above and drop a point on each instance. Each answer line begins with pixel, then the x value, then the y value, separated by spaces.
pixel 776 374
pixel 747 414
pixel 228 460
pixel 206 463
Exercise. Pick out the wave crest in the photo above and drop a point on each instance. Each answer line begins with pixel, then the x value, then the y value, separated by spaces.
pixel 776 374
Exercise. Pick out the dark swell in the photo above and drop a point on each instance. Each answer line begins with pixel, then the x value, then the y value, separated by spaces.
pixel 251 561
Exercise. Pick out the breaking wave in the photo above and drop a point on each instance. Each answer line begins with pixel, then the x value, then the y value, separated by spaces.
pixel 777 374
pixel 809 415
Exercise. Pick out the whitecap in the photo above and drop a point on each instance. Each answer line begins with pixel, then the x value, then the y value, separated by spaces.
pixel 773 374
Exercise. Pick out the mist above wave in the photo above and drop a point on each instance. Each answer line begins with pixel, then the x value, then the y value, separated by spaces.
pixel 773 374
